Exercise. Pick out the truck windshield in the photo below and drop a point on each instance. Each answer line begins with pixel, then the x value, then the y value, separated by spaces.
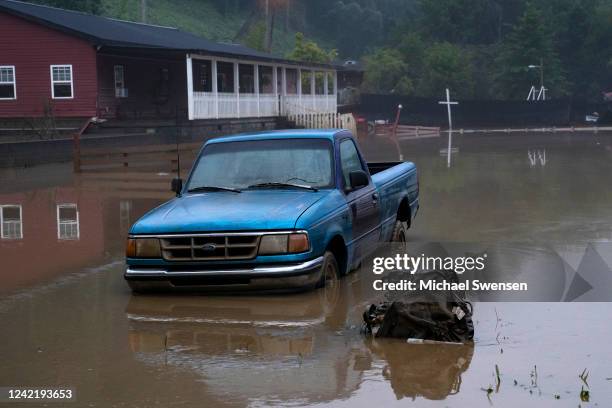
pixel 276 163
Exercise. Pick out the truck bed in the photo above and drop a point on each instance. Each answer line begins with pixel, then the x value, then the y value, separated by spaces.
pixel 377 167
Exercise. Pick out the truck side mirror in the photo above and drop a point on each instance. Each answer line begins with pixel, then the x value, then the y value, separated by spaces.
pixel 177 185
pixel 358 179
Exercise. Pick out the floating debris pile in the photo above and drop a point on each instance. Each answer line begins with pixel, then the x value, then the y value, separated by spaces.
pixel 442 316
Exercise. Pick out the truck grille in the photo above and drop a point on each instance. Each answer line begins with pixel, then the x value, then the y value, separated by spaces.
pixel 210 247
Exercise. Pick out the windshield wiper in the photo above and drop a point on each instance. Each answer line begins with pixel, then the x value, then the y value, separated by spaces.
pixel 213 188
pixel 290 185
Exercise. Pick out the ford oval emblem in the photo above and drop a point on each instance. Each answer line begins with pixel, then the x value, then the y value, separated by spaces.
pixel 209 247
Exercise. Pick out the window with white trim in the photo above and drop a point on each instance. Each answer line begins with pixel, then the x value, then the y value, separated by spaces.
pixel 7 82
pixel 61 82
pixel 120 89
pixel 11 222
pixel 67 221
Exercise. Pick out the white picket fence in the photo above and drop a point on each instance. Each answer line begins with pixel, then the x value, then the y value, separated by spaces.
pixel 325 121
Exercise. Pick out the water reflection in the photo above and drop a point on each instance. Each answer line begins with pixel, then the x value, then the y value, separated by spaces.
pixel 119 349
pixel 10 218
pixel 68 222
pixel 423 370
pixel 307 347
pixel 537 157
pixel 266 349
pixel 55 231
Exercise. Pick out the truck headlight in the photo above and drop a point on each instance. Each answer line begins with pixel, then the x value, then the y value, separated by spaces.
pixel 283 244
pixel 143 248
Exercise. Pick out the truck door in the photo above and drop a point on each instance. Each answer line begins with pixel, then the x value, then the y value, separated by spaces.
pixel 363 203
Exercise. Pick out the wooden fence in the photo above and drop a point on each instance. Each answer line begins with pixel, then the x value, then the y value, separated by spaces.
pixel 405 132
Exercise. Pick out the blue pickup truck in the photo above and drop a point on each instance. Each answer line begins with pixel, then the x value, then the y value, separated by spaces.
pixel 282 210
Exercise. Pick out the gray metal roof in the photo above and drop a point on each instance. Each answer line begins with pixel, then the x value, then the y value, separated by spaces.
pixel 104 31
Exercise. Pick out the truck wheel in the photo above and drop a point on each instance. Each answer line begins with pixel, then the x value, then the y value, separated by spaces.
pixel 330 272
pixel 399 232
pixel 399 235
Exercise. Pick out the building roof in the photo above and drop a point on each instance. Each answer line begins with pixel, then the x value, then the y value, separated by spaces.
pixel 108 32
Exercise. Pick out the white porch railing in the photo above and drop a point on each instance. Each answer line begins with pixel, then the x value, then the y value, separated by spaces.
pixel 307 104
pixel 231 105
pixel 325 121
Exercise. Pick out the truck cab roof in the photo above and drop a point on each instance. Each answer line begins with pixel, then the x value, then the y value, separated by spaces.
pixel 279 134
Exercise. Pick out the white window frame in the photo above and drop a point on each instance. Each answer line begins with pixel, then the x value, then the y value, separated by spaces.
pixel 119 90
pixel 78 224
pixel 14 83
pixel 2 235
pixel 62 82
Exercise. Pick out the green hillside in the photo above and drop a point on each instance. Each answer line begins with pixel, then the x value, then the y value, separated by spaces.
pixel 204 18
pixel 480 48
pixel 196 16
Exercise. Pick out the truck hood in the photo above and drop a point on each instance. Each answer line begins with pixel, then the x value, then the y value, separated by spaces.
pixel 226 211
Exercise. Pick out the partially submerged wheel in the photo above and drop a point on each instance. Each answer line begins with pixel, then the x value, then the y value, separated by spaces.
pixel 400 232
pixel 399 236
pixel 330 271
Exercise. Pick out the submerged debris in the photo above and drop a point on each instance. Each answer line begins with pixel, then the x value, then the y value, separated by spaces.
pixel 443 316
pixel 584 395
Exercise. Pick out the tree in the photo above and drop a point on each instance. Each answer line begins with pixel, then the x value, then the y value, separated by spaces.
pixel 309 51
pixel 256 37
pixel 446 66
pixel 386 72
pixel 354 26
pixel 530 42
pixel 460 21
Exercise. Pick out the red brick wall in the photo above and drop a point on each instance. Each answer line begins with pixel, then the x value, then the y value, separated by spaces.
pixel 32 48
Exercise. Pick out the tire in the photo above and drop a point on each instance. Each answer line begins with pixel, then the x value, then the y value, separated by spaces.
pixel 330 272
pixel 399 237
pixel 400 232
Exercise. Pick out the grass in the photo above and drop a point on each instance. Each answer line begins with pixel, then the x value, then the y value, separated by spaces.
pixel 197 17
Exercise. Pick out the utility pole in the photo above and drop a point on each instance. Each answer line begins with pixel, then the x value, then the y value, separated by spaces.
pixel 143 11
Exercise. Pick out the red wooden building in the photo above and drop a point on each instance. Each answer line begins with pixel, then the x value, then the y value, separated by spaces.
pixel 70 64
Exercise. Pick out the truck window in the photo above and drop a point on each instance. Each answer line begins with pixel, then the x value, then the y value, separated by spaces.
pixel 241 164
pixel 349 159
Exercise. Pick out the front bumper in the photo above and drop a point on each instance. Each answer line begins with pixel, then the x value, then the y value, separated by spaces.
pixel 299 276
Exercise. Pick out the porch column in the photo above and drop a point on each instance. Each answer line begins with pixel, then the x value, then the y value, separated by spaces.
pixel 237 87
pixel 275 82
pixel 190 105
pixel 313 101
pixel 325 85
pixel 299 88
pixel 256 85
pixel 283 99
pixel 335 78
pixel 215 87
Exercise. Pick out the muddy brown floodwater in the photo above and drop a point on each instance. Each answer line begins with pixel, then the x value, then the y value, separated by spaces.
pixel 68 319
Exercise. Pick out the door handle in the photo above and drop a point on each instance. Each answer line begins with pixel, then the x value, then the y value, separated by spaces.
pixel 375 198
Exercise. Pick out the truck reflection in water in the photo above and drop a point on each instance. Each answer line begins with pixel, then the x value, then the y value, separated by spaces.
pixel 253 348
pixel 303 348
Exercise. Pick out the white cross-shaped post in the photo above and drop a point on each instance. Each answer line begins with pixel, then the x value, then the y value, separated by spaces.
pixel 448 104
